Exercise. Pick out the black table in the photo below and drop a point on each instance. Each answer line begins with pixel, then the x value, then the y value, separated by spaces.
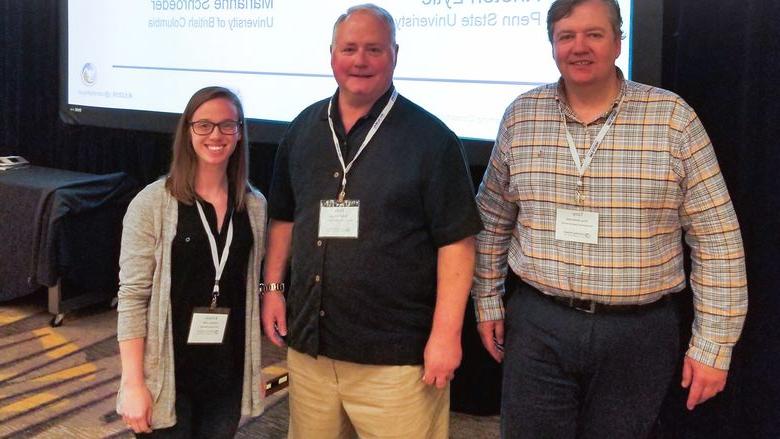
pixel 61 229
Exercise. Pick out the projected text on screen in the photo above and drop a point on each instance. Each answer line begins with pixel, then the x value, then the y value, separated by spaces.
pixel 463 60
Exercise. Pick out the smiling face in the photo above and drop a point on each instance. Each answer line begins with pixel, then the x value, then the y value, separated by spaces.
pixel 585 46
pixel 215 149
pixel 363 58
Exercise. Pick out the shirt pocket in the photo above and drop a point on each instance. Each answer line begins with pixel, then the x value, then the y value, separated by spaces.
pixel 533 172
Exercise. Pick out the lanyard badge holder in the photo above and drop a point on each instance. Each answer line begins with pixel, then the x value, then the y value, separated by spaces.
pixel 581 225
pixel 209 324
pixel 340 218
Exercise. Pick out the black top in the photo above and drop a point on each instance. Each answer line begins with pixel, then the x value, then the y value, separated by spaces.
pixel 208 367
pixel 371 299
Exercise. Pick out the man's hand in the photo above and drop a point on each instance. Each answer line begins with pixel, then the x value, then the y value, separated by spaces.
pixel 442 356
pixel 492 334
pixel 137 408
pixel 704 381
pixel 454 271
pixel 274 318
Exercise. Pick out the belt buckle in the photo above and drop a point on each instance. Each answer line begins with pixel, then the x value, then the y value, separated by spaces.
pixel 590 309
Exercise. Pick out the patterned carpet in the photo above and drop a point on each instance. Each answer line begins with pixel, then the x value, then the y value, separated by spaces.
pixel 61 382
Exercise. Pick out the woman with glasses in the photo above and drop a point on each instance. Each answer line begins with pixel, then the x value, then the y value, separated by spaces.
pixel 188 316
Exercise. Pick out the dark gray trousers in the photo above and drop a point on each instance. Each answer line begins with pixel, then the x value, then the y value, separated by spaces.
pixel 570 374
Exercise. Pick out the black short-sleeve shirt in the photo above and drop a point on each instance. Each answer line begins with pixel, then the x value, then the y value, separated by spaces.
pixel 371 299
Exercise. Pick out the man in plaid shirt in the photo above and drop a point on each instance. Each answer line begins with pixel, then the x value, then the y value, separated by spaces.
pixel 590 185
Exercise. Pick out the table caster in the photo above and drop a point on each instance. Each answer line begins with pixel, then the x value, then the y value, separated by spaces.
pixel 56 321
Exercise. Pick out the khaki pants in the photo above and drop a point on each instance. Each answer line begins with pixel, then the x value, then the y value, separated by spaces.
pixel 339 399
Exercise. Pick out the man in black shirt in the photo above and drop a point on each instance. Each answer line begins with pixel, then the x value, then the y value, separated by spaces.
pixel 372 198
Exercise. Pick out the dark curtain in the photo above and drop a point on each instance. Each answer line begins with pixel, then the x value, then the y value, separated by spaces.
pixel 723 57
pixel 720 55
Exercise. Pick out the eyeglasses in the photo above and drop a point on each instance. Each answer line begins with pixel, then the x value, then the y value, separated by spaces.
pixel 205 127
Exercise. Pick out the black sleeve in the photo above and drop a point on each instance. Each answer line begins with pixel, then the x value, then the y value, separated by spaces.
pixel 449 195
pixel 281 200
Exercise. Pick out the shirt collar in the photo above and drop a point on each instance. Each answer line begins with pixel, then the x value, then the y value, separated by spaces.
pixel 560 95
pixel 373 113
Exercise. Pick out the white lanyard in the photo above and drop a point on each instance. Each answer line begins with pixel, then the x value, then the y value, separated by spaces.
pixel 583 166
pixel 370 134
pixel 219 263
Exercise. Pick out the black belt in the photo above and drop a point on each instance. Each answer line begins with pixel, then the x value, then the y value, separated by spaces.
pixel 591 307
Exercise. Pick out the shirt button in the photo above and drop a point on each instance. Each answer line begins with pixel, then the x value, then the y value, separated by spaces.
pixel 322 313
pixel 336 174
pixel 317 278
pixel 319 243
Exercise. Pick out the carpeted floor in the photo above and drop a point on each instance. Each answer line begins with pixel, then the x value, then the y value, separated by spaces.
pixel 61 382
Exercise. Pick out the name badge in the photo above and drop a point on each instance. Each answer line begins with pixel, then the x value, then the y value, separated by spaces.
pixel 339 219
pixel 208 325
pixel 577 226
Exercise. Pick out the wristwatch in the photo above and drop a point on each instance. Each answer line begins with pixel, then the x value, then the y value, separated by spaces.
pixel 270 287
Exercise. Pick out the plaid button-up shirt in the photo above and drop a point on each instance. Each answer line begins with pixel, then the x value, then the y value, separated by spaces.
pixel 654 176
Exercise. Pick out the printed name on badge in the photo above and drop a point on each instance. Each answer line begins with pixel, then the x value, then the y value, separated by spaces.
pixel 577 226
pixel 339 219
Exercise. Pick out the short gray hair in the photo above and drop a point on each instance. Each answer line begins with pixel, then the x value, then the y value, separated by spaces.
pixel 560 9
pixel 371 8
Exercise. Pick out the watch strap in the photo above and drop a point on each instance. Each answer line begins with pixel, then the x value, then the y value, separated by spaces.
pixel 271 287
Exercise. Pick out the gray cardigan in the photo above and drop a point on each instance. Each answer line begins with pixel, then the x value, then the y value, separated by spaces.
pixel 145 297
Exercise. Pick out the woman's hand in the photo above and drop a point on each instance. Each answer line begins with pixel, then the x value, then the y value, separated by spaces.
pixel 137 408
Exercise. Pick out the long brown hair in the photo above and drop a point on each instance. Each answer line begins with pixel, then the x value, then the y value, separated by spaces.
pixel 181 176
